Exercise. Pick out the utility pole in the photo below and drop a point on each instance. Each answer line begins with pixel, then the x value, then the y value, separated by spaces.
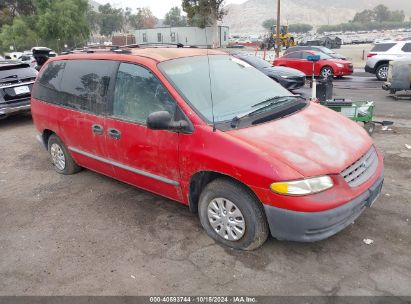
pixel 278 39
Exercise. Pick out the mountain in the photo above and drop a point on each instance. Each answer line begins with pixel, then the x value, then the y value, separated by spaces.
pixel 246 18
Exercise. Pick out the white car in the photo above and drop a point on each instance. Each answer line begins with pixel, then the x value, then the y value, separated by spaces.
pixel 382 53
pixel 29 59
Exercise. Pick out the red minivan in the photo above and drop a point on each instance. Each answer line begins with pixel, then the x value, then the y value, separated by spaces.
pixel 208 130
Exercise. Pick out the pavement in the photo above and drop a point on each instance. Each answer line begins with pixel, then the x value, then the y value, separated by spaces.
pixel 88 234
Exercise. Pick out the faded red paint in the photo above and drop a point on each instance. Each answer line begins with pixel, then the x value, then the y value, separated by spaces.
pixel 315 141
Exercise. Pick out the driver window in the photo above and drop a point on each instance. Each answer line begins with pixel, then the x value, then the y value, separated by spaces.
pixel 138 93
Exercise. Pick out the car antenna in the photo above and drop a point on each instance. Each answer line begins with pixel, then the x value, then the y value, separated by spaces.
pixel 209 75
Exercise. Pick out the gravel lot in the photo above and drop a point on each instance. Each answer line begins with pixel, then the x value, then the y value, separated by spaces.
pixel 87 234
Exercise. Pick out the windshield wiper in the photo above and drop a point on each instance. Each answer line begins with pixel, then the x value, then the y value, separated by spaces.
pixel 267 103
pixel 274 99
pixel 10 76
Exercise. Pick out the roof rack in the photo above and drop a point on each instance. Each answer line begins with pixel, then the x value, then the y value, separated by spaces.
pixel 155 45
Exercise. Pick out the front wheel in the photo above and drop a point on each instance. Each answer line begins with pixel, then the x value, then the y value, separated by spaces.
pixel 382 72
pixel 232 215
pixel 326 72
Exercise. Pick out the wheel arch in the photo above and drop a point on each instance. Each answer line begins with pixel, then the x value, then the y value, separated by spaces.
pixel 379 63
pixel 45 135
pixel 200 179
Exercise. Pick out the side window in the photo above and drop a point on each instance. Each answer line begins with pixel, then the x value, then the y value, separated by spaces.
pixel 47 87
pixel 85 84
pixel 139 93
pixel 144 37
pixel 173 36
pixel 406 47
pixel 159 37
pixel 294 55
pixel 305 55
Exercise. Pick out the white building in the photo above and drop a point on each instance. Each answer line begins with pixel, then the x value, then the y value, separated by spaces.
pixel 188 36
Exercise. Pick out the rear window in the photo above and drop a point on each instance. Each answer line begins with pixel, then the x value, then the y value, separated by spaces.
pixel 77 84
pixel 382 47
pixel 8 70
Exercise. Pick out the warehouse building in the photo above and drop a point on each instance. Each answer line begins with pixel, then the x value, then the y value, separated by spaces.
pixel 188 36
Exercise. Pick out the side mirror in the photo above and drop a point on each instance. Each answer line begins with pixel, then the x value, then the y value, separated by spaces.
pixel 161 120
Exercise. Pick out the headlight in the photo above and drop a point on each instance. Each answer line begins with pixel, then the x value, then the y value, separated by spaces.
pixel 284 76
pixel 340 65
pixel 304 186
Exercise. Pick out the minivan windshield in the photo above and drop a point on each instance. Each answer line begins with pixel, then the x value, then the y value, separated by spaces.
pixel 236 86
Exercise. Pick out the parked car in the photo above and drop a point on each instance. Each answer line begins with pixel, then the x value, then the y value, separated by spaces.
pixel 289 78
pixel 399 76
pixel 16 81
pixel 242 151
pixel 382 53
pixel 325 67
pixel 29 59
pixel 321 49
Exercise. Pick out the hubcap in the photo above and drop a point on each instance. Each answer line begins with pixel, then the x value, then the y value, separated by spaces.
pixel 383 72
pixel 326 73
pixel 226 219
pixel 57 156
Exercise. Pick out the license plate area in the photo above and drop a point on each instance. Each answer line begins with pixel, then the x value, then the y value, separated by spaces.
pixel 21 90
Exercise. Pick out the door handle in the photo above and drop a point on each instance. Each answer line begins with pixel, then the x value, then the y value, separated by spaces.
pixel 114 133
pixel 97 129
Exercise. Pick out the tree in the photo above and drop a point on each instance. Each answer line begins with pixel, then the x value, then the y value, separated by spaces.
pixel 143 19
pixel 397 16
pixel 19 35
pixel 364 16
pixel 204 13
pixel 382 13
pixel 174 17
pixel 64 20
pixel 269 23
pixel 109 19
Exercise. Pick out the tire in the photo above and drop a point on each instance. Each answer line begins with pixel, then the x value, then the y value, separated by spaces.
pixel 369 127
pixel 60 157
pixel 382 72
pixel 326 72
pixel 247 213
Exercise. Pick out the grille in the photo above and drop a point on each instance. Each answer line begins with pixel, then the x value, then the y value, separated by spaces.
pixel 362 170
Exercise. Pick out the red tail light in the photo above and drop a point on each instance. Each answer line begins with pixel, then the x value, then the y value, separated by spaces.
pixel 371 55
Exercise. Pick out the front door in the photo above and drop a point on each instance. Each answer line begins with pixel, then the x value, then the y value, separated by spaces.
pixel 143 157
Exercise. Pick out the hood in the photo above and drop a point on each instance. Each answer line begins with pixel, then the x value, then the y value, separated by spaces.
pixel 338 56
pixel 283 71
pixel 315 141
pixel 340 61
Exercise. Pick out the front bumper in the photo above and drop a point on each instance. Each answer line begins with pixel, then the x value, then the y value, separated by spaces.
pixel 22 106
pixel 314 226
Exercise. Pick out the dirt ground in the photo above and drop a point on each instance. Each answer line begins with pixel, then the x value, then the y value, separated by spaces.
pixel 87 234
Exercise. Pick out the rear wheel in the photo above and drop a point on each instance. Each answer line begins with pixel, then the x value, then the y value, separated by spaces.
pixel 326 72
pixel 232 215
pixel 60 157
pixel 382 72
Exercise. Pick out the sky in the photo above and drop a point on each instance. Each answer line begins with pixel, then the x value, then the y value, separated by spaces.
pixel 158 7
